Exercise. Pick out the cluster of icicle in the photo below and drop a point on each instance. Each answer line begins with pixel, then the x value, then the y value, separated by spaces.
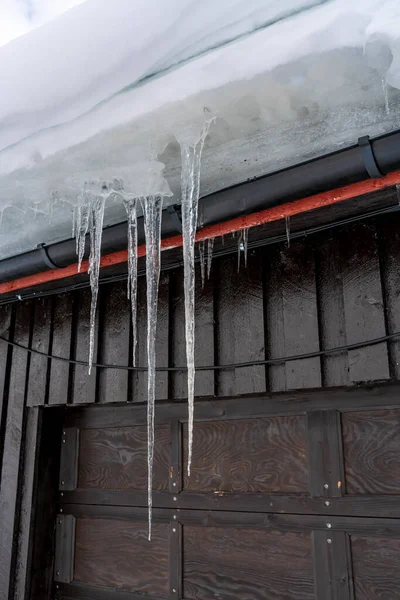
pixel 88 219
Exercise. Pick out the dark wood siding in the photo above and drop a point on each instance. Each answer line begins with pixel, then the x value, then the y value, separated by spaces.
pixel 330 289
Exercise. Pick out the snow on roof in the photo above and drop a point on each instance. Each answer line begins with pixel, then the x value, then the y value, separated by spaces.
pixel 89 93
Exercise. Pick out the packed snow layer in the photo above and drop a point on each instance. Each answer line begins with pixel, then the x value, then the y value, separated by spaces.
pixel 288 81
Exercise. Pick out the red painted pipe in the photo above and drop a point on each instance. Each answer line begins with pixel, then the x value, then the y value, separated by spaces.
pixel 253 220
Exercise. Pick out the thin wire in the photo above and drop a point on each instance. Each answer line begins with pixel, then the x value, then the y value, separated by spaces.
pixel 242 365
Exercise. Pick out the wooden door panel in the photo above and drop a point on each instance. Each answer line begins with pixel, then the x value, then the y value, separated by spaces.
pixel 116 554
pixel 115 458
pixel 376 568
pixel 371 443
pixel 290 497
pixel 250 564
pixel 248 455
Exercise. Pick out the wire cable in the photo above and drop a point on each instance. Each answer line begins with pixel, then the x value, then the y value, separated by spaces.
pixel 242 365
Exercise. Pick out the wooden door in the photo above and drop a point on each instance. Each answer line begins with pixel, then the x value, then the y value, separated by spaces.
pixel 291 497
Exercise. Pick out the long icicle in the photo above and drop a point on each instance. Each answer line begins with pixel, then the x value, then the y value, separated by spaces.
pixel 131 211
pixel 152 210
pixel 95 230
pixel 190 190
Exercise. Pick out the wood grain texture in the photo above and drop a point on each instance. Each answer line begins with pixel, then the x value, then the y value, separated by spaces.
pixel 249 455
pixel 114 342
pixel 84 386
pixel 389 246
pixel 12 446
pixel 371 445
pixel 292 318
pixel 363 302
pixel 376 568
pixel 139 379
pixel 249 564
pixel 61 346
pixel 117 554
pixel 27 509
pixel 204 335
pixel 41 336
pixel 116 459
pixel 239 325
pixel 335 368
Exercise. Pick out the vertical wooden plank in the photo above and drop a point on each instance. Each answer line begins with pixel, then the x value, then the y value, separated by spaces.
pixel 84 387
pixel 25 529
pixel 363 303
pixel 240 325
pixel 5 353
pixel 46 499
pixel 12 445
pixel 37 385
pixel 162 341
pixel 69 458
pixel 325 454
pixel 114 342
pixel 139 385
pixel 61 346
pixel 332 565
pixel 335 367
pixel 175 469
pixel 204 334
pixel 389 245
pixel 177 333
pixel 65 549
pixel 175 561
pixel 292 317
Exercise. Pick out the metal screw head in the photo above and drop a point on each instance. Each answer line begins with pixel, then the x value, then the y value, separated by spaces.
pixel 327 502
pixel 329 541
pixel 326 486
pixel 62 494
pixel 329 525
pixel 174 530
pixel 58 572
pixel 60 521
pixel 63 483
pixel 174 516
pixel 173 590
pixel 175 498
pixel 61 510
pixel 174 484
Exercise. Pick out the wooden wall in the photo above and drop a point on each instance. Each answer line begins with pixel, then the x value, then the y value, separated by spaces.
pixel 332 289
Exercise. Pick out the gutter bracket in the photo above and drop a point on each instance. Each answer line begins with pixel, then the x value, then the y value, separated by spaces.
pixel 46 258
pixel 371 166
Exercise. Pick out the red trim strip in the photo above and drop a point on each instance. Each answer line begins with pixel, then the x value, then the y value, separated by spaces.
pixel 259 218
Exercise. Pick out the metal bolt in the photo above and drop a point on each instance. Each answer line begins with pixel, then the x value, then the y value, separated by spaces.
pixel 174 530
pixel 329 525
pixel 63 483
pixel 64 433
pixel 58 572
pixel 329 541
pixel 174 484
pixel 174 516
pixel 57 587
pixel 60 521
pixel 62 493
pixel 63 441
pixel 327 503
pixel 60 510
pixel 173 590
pixel 326 486
pixel 175 498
